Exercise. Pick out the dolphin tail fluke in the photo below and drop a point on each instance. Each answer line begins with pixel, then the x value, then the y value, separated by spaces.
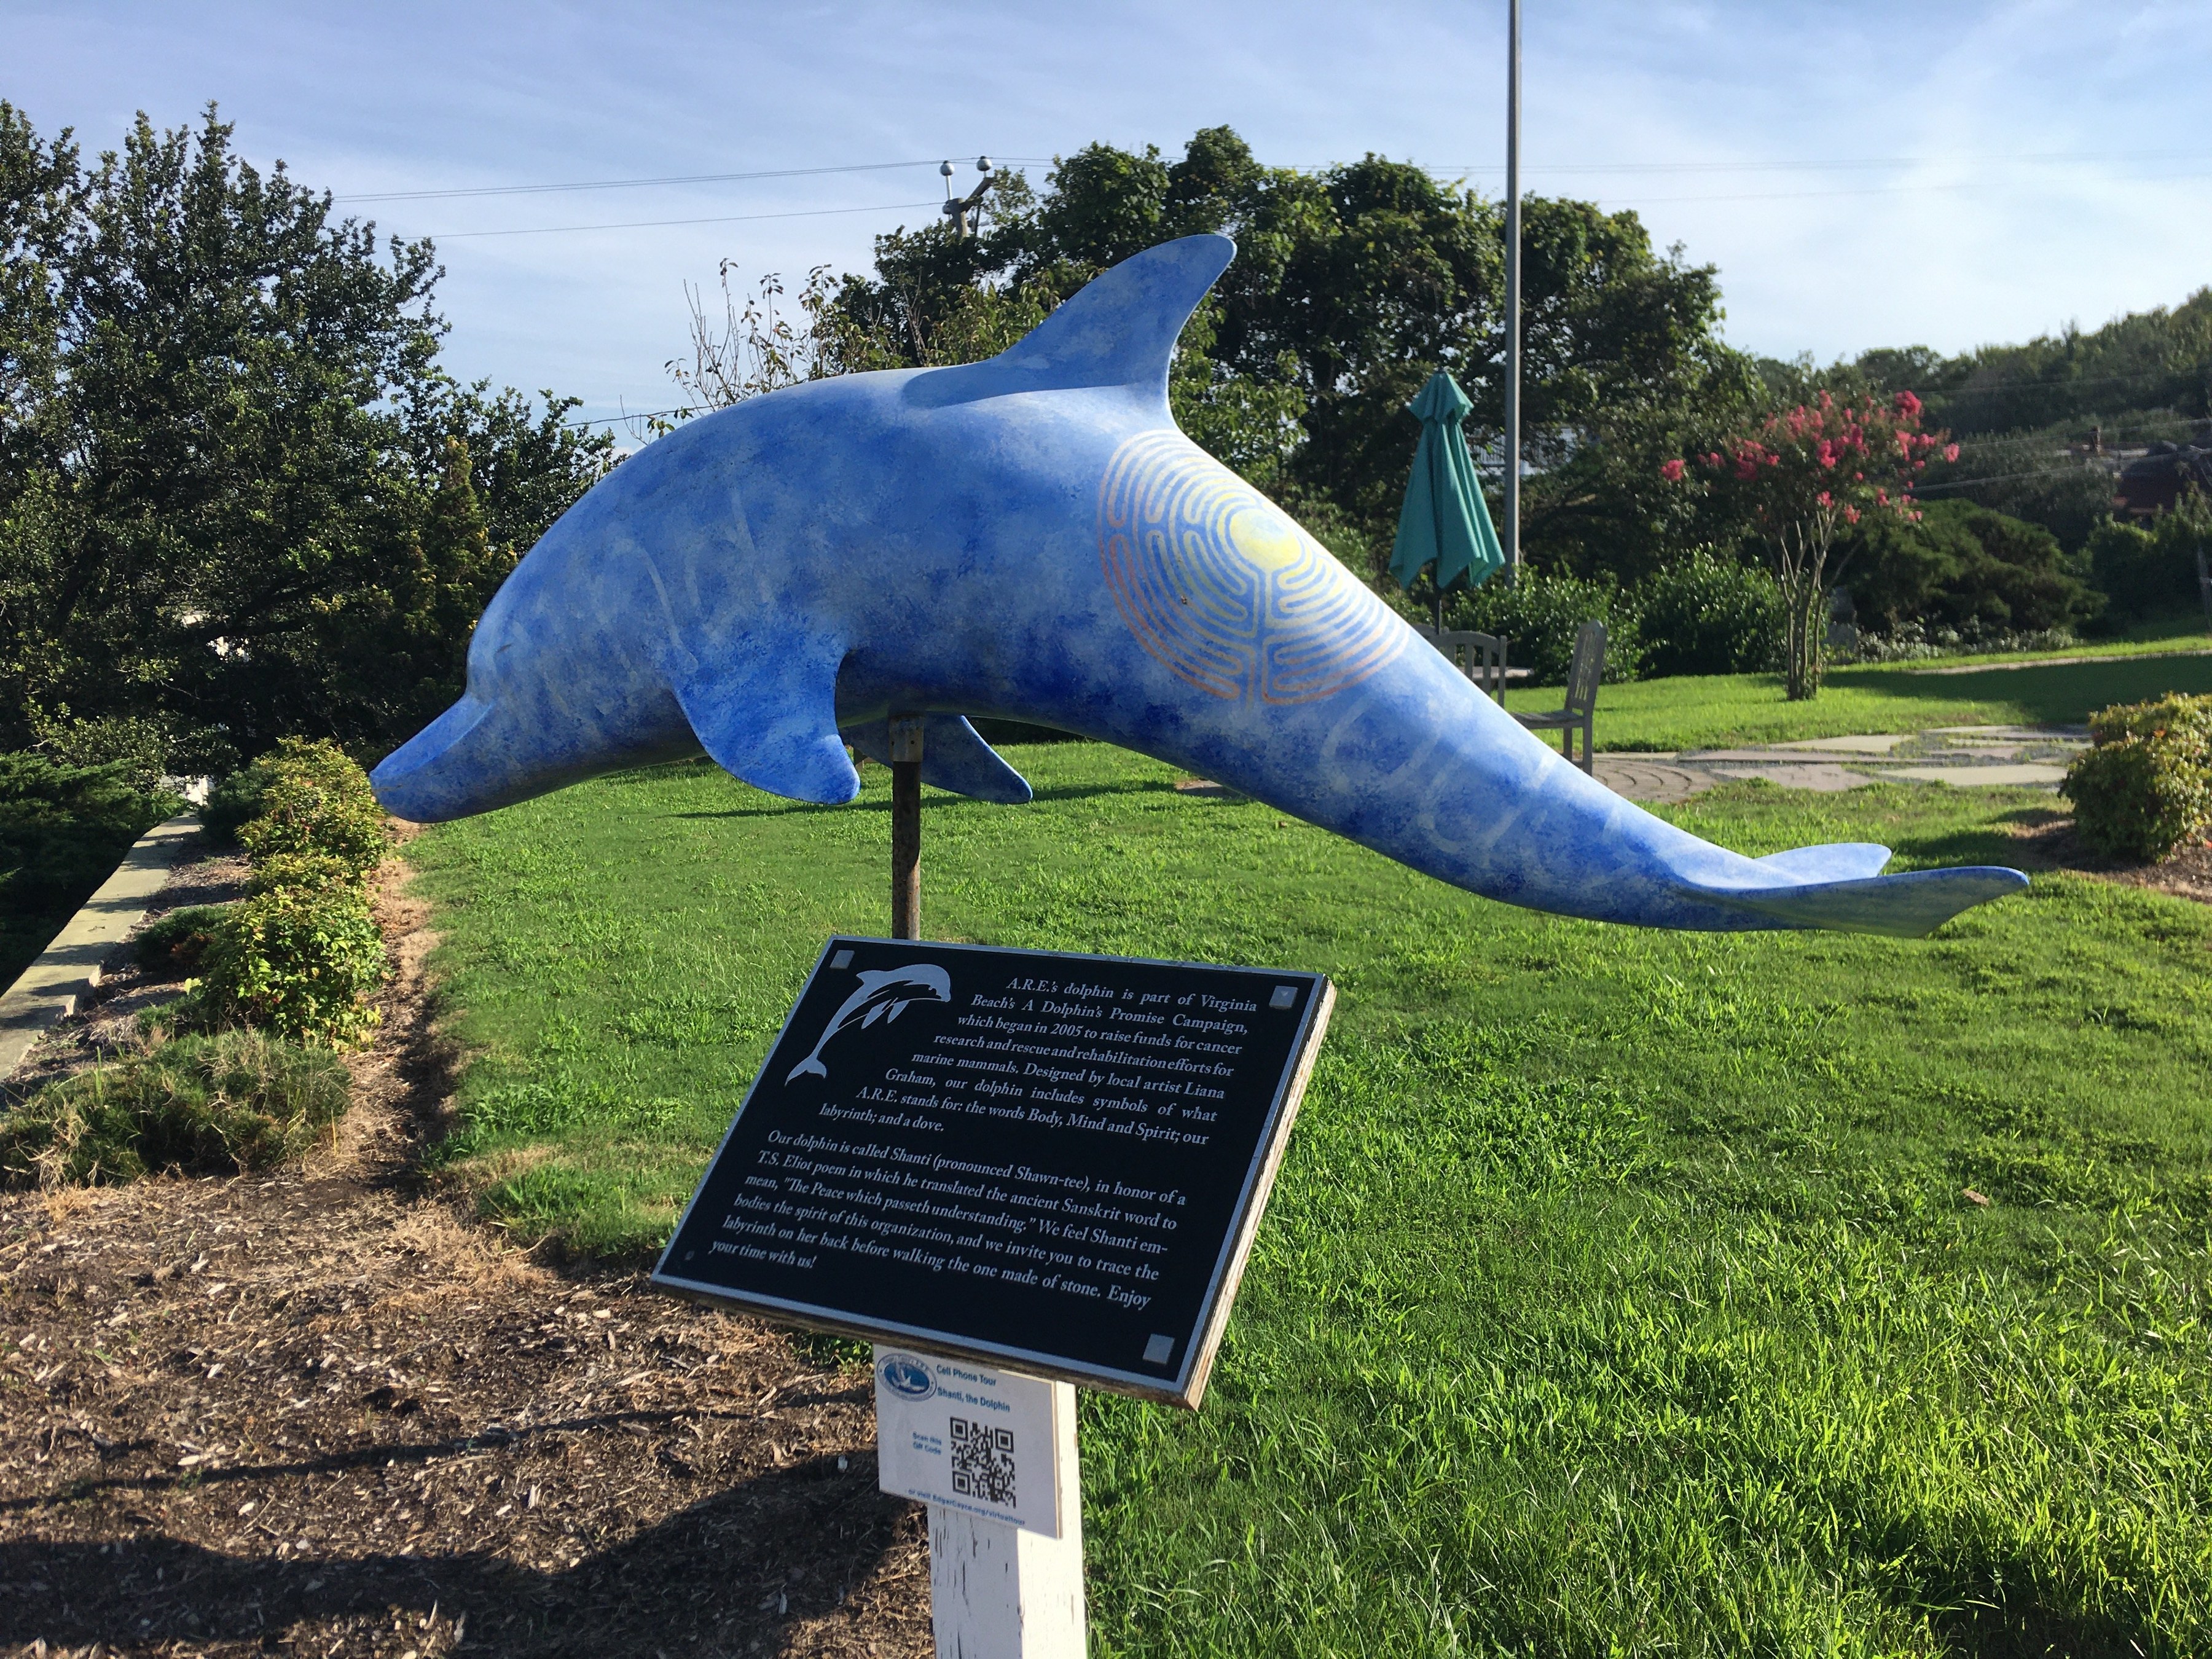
pixel 809 1067
pixel 1907 906
pixel 1841 861
pixel 954 758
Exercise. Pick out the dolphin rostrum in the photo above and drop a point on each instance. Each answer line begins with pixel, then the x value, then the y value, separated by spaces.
pixel 1031 537
pixel 884 995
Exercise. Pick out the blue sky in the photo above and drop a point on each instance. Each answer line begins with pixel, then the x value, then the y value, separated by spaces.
pixel 1877 174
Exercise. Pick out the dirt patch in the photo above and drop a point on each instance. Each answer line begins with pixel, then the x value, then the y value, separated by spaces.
pixel 322 1412
pixel 2048 841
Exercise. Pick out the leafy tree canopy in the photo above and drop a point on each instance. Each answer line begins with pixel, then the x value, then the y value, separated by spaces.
pixel 1350 286
pixel 2032 416
pixel 238 498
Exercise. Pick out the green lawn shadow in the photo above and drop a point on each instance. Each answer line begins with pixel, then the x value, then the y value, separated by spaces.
pixel 2056 694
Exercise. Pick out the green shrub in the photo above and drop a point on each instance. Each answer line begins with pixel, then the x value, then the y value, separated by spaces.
pixel 2186 717
pixel 314 800
pixel 235 1100
pixel 1962 567
pixel 295 962
pixel 232 800
pixel 1539 616
pixel 308 872
pixel 2146 787
pixel 180 940
pixel 2150 570
pixel 1706 615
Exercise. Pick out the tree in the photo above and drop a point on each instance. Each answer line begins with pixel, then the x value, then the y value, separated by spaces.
pixel 1350 286
pixel 230 465
pixel 1961 566
pixel 1796 476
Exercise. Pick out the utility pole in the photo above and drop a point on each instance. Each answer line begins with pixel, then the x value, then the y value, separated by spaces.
pixel 1512 291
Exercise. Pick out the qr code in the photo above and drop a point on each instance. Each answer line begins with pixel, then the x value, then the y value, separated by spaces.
pixel 983 1463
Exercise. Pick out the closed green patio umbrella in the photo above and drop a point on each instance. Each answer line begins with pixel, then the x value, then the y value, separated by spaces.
pixel 1444 521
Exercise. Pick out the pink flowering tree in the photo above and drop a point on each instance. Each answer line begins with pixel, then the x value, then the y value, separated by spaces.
pixel 1800 475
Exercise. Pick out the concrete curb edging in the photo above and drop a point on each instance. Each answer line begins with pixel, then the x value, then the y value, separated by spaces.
pixel 48 990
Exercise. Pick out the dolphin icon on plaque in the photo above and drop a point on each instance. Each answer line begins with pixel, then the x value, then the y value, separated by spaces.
pixel 884 993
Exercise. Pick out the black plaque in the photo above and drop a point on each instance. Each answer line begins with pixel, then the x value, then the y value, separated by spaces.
pixel 1052 1163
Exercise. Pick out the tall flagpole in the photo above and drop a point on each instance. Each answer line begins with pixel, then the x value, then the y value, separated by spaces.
pixel 1513 291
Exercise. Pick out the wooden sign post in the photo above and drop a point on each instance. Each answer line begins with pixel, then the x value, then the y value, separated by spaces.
pixel 906 826
pixel 1013 1171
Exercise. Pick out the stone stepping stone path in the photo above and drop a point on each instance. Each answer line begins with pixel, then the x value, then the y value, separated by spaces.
pixel 1964 757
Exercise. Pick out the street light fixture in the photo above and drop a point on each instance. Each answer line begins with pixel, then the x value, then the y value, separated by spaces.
pixel 966 212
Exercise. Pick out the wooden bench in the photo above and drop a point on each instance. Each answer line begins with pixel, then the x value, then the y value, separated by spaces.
pixel 1583 676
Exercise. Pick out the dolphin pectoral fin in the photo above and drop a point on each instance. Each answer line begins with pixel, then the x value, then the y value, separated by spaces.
pixel 776 728
pixel 1907 906
pixel 954 758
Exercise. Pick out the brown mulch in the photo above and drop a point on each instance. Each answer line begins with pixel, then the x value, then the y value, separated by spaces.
pixel 2048 841
pixel 323 1412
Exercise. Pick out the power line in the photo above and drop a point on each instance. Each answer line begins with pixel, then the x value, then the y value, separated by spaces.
pixel 641 415
pixel 1999 478
pixel 1567 169
pixel 655 224
pixel 625 183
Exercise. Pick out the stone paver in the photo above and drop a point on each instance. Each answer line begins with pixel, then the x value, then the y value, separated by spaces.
pixel 1653 779
pixel 2027 775
pixel 48 991
pixel 1823 776
pixel 1880 744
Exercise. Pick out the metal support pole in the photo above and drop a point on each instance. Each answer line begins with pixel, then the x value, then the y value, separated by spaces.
pixel 906 826
pixel 1513 291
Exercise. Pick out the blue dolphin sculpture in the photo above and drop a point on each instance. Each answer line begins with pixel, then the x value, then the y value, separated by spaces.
pixel 1031 537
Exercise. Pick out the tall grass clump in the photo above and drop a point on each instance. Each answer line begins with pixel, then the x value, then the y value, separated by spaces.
pixel 213 1104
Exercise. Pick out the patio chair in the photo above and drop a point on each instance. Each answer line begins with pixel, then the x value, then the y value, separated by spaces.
pixel 1480 657
pixel 1583 676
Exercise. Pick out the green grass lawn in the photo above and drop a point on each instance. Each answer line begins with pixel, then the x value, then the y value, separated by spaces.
pixel 1714 711
pixel 1620 1294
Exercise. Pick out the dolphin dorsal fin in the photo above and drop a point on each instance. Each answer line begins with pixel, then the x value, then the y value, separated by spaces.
pixel 1119 330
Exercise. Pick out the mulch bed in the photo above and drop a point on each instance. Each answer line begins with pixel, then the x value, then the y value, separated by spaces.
pixel 2047 840
pixel 323 1412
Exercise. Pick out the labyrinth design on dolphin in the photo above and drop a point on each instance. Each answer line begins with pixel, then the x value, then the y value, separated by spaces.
pixel 1220 585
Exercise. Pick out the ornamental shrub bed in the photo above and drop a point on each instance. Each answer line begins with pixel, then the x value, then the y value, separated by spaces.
pixel 312 799
pixel 1539 615
pixel 300 956
pixel 2146 787
pixel 1707 615
pixel 298 962
pixel 213 1104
